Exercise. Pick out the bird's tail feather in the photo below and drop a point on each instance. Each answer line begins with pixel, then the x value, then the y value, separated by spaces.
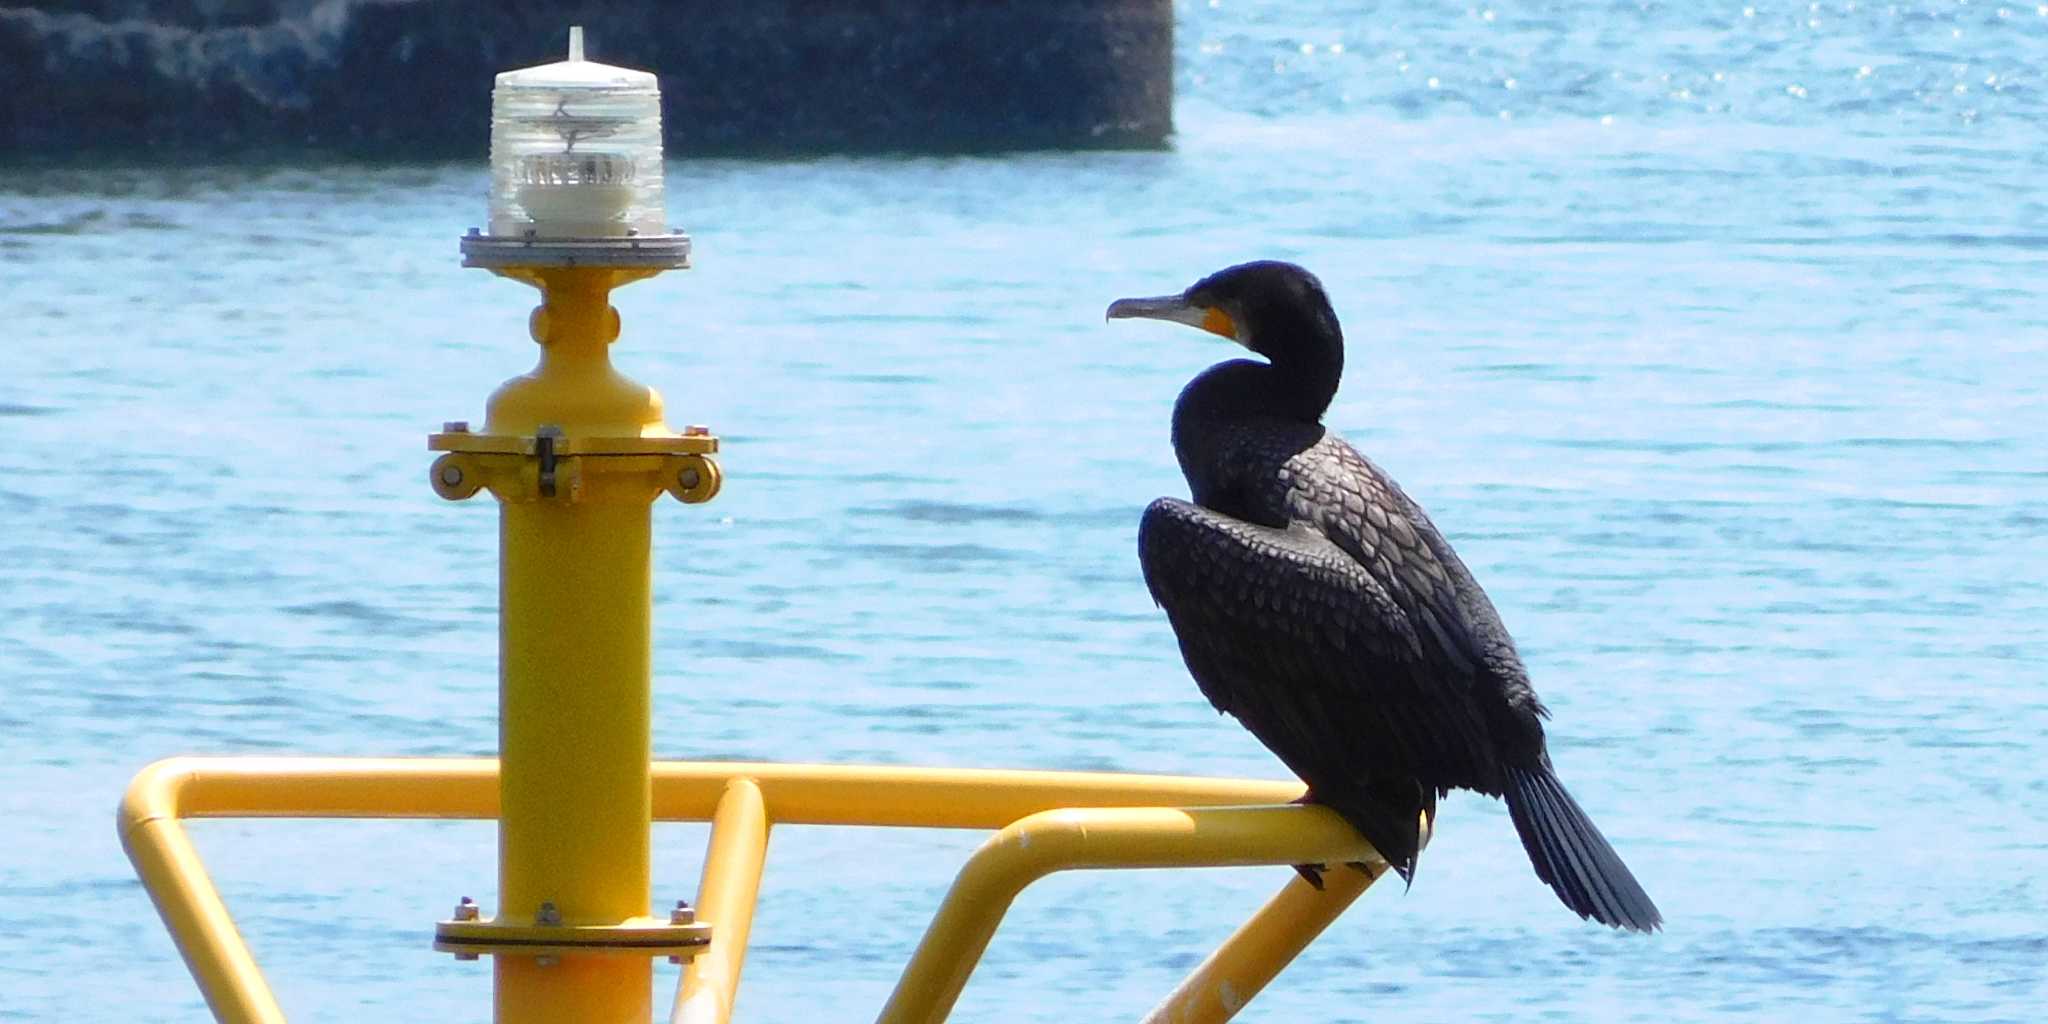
pixel 1572 856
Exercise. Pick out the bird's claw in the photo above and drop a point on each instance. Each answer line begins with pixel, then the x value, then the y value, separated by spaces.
pixel 1313 873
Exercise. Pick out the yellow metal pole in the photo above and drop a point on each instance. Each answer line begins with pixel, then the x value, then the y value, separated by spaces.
pixel 1261 948
pixel 1129 837
pixel 725 900
pixel 575 596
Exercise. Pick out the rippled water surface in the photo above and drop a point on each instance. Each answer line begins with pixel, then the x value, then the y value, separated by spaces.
pixel 1710 334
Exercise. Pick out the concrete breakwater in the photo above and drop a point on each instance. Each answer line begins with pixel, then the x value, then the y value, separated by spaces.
pixel 195 79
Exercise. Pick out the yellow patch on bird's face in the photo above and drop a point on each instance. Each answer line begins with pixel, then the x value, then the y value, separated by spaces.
pixel 1216 321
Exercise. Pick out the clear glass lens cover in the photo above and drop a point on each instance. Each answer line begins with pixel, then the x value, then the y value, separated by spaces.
pixel 576 152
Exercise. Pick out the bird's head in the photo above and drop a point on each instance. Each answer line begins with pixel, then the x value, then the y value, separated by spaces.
pixel 1275 309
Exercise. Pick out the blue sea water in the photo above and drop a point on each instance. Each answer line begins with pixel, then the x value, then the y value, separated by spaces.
pixel 1708 332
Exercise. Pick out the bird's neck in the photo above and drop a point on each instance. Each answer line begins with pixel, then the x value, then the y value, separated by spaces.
pixel 1236 400
pixel 1298 387
pixel 1302 382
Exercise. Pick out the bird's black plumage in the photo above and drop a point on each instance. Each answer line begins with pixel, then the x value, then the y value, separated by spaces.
pixel 1317 603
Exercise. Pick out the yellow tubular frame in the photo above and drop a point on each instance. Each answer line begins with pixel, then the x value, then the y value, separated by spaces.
pixel 1257 951
pixel 1123 837
pixel 1048 821
pixel 725 900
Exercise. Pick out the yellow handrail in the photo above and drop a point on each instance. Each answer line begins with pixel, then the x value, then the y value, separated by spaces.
pixel 800 794
pixel 1122 837
pixel 725 899
pixel 1256 952
pixel 918 797
pixel 1049 821
pixel 192 909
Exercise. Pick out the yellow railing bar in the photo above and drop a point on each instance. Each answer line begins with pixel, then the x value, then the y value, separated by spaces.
pixel 1121 837
pixel 799 794
pixel 917 797
pixel 725 899
pixel 1151 835
pixel 191 908
pixel 1261 948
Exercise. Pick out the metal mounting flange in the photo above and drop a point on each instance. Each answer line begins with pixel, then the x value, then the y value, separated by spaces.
pixel 639 937
pixel 550 466
pixel 653 252
pixel 469 936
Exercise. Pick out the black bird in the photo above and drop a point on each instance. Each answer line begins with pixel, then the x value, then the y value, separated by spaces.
pixel 1317 603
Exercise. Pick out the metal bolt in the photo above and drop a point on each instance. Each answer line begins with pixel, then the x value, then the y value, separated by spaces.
pixel 455 427
pixel 696 430
pixel 466 910
pixel 548 916
pixel 451 475
pixel 689 479
pixel 682 914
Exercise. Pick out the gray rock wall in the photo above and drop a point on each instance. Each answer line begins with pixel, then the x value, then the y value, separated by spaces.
pixel 205 79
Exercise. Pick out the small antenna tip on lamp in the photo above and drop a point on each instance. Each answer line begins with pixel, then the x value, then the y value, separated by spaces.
pixel 575 42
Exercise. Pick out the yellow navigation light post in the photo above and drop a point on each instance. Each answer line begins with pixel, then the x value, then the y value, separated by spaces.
pixel 575 453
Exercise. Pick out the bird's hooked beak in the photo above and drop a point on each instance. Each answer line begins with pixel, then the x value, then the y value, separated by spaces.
pixel 1178 309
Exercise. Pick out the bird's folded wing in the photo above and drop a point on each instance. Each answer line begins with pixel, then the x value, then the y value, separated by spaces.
pixel 1362 511
pixel 1287 631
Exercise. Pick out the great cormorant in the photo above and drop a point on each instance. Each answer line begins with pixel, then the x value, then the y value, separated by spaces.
pixel 1317 603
